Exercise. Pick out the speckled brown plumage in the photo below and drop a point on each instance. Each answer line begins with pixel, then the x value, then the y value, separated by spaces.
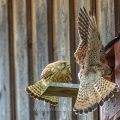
pixel 94 88
pixel 54 72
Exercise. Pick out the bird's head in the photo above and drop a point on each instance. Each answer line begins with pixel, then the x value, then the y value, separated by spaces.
pixel 63 64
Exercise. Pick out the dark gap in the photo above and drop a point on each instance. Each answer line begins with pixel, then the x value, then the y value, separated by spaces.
pixel 117 16
pixel 50 45
pixel 11 60
pixel 50 29
pixel 30 53
pixel 72 46
pixel 93 7
pixel 72 39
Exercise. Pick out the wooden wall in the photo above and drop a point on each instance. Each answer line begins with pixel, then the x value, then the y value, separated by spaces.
pixel 34 33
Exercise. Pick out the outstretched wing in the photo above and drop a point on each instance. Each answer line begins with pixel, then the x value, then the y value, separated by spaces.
pixel 88 52
pixel 83 27
pixel 93 53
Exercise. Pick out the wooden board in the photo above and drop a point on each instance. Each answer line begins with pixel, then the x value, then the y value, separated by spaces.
pixel 106 26
pixel 41 56
pixel 62 89
pixel 4 64
pixel 34 33
pixel 62 50
pixel 21 59
pixel 105 20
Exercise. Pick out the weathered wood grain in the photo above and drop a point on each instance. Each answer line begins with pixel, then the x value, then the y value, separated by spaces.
pixel 4 64
pixel 106 26
pixel 50 45
pixel 61 49
pixel 73 46
pixel 42 109
pixel 105 20
pixel 21 59
pixel 11 60
pixel 34 33
pixel 30 47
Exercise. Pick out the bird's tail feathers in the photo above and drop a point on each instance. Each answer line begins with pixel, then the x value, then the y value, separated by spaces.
pixel 94 93
pixel 36 91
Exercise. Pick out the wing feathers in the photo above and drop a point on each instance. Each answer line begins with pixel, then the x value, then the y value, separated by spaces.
pixel 87 29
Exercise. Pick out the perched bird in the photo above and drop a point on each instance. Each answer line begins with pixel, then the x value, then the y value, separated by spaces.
pixel 94 89
pixel 58 71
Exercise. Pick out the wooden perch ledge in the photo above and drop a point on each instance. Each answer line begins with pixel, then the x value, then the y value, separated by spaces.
pixel 62 90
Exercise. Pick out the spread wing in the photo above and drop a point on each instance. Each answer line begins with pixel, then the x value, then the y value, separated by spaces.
pixel 88 51
pixel 83 25
pixel 93 53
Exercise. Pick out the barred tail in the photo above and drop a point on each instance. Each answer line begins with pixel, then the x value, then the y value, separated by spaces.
pixel 93 93
pixel 37 90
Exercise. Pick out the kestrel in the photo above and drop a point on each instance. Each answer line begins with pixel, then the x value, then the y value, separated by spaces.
pixel 94 89
pixel 58 71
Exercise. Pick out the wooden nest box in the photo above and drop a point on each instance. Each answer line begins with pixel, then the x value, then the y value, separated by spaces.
pixel 113 58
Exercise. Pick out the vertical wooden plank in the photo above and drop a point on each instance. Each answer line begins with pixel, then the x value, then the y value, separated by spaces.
pixel 80 4
pixel 50 45
pixel 73 46
pixel 30 46
pixel 4 64
pixel 62 49
pixel 50 29
pixel 11 60
pixel 41 54
pixel 105 20
pixel 21 59
pixel 72 38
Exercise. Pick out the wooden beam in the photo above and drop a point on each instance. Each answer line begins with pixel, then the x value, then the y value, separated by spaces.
pixel 62 90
